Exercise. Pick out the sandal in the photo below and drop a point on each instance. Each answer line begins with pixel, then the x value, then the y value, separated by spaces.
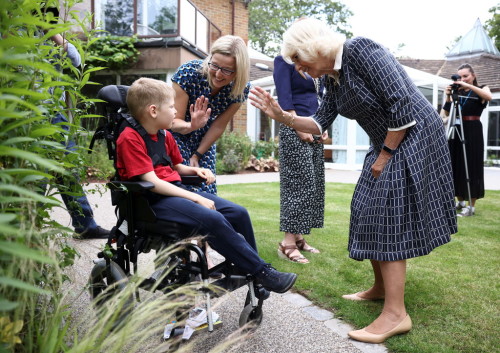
pixel 302 245
pixel 284 252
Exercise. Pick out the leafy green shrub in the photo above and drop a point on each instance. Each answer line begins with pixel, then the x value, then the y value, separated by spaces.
pixel 265 149
pixel 98 165
pixel 114 52
pixel 237 147
pixel 231 162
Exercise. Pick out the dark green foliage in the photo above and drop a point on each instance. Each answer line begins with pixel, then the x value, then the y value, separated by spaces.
pixel 265 149
pixel 113 52
pixel 493 25
pixel 233 152
pixel 270 18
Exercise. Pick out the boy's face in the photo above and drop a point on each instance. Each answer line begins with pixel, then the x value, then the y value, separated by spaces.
pixel 165 114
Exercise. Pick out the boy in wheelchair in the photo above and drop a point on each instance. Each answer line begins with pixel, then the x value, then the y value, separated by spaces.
pixel 226 225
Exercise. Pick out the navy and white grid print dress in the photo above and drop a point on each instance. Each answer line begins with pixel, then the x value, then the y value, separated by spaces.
pixel 409 210
pixel 195 84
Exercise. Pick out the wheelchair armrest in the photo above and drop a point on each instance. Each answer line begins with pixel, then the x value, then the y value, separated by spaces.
pixel 133 186
pixel 191 179
pixel 137 186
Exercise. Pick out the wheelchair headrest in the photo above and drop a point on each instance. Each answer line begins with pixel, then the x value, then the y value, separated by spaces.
pixel 114 95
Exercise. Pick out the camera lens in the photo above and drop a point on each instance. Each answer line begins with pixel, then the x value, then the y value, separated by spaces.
pixel 455 77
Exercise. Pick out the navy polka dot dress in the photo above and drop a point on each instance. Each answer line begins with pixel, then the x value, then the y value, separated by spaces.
pixel 409 210
pixel 195 84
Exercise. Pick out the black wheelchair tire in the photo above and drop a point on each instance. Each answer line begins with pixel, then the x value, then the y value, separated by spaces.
pixel 251 315
pixel 102 288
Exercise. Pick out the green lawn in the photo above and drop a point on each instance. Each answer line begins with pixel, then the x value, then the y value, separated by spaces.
pixel 452 294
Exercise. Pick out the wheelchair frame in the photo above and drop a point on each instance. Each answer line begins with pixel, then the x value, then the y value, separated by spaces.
pixel 144 232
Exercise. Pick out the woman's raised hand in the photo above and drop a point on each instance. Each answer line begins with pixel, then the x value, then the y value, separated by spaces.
pixel 200 113
pixel 262 100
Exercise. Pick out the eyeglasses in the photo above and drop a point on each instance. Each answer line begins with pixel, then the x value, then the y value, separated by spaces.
pixel 215 67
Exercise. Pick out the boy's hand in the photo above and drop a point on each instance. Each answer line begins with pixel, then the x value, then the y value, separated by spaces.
pixel 206 174
pixel 199 113
pixel 203 201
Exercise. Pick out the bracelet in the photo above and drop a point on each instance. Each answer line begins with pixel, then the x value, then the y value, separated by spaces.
pixel 197 154
pixel 290 117
pixel 388 149
pixel 447 106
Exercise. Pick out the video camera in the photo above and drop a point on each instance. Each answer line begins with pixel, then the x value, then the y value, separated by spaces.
pixel 455 86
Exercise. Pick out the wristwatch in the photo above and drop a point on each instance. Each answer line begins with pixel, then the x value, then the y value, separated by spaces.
pixel 388 150
pixel 197 154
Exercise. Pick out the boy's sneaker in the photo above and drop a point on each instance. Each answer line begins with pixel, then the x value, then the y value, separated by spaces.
pixel 459 206
pixel 466 212
pixel 275 281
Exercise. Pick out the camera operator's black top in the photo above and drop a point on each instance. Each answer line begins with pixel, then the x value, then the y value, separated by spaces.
pixel 470 103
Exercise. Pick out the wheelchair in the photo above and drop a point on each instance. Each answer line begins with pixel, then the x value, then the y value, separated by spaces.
pixel 138 231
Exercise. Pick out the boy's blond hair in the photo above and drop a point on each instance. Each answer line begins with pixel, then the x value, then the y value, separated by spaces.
pixel 145 92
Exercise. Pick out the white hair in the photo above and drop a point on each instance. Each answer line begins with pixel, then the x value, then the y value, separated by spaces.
pixel 309 38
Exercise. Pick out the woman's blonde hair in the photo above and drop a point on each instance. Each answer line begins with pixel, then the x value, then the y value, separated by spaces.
pixel 145 92
pixel 235 47
pixel 309 38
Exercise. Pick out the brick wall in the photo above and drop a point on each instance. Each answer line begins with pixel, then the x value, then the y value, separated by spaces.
pixel 220 12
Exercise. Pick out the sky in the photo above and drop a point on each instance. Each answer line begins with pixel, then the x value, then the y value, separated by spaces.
pixel 426 27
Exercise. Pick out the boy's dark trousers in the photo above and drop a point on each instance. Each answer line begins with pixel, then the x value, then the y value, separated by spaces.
pixel 228 228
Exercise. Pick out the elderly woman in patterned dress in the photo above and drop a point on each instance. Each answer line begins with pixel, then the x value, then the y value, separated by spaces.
pixel 222 79
pixel 403 205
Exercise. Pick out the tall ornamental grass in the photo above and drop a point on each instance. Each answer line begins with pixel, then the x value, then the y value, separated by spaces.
pixel 37 314
pixel 32 155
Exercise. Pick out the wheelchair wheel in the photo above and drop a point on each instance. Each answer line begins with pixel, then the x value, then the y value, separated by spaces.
pixel 251 315
pixel 106 282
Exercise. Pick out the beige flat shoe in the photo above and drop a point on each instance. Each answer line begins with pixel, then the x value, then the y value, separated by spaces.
pixel 356 297
pixel 368 337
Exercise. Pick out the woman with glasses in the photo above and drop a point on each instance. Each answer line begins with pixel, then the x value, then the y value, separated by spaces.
pixel 222 79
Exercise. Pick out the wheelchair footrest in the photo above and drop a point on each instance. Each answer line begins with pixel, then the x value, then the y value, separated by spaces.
pixel 178 331
pixel 195 325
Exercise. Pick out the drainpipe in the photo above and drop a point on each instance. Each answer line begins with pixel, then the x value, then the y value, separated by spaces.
pixel 233 10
